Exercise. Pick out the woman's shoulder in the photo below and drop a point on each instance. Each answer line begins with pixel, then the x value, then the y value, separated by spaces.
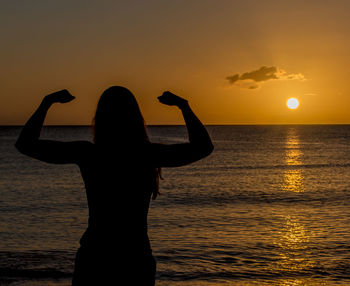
pixel 153 151
pixel 150 147
pixel 83 147
pixel 84 144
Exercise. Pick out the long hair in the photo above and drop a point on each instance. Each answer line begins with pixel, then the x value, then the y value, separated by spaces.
pixel 118 119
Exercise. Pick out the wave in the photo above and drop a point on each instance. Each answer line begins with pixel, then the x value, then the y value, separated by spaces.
pixel 263 275
pixel 286 167
pixel 35 264
pixel 7 272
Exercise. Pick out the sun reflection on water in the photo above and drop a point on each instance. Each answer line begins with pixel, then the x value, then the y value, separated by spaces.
pixel 293 181
pixel 293 178
pixel 293 241
pixel 293 237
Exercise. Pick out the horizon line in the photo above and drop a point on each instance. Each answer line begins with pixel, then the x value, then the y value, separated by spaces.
pixel 225 124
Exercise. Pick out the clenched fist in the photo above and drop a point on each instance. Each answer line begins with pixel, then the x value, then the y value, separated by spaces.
pixel 62 96
pixel 169 98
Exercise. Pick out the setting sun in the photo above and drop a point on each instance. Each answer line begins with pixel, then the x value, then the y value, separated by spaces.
pixel 292 103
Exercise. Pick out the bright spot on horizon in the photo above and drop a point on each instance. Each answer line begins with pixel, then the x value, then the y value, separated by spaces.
pixel 292 103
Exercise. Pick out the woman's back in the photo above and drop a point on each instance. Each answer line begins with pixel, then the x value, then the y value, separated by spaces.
pixel 119 183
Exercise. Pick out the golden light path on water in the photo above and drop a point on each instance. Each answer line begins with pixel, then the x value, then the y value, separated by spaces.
pixel 293 177
pixel 294 237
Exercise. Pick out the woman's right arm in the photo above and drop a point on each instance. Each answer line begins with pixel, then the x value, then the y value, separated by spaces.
pixel 199 145
pixel 50 151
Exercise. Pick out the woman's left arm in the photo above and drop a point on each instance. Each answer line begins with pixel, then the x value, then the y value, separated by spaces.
pixel 28 142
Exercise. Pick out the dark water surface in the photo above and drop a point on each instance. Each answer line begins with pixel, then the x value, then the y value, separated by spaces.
pixel 270 206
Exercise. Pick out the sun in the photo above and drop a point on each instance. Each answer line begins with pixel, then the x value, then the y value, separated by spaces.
pixel 292 103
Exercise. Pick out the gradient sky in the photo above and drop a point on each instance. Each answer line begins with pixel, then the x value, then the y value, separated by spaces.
pixel 236 61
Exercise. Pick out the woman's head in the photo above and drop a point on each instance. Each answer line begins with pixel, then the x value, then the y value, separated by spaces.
pixel 118 118
pixel 118 121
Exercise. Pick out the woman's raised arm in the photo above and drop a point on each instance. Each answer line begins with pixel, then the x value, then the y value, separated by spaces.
pixel 50 151
pixel 200 144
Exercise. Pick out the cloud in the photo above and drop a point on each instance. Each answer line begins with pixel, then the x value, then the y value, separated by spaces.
pixel 251 79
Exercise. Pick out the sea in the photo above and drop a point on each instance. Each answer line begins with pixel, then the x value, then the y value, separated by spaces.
pixel 270 206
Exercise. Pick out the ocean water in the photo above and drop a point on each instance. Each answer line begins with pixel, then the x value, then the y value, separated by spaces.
pixel 270 206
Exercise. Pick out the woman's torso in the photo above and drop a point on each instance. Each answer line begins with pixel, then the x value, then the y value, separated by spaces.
pixel 119 183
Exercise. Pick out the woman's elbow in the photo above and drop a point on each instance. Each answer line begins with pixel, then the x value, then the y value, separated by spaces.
pixel 207 150
pixel 210 148
pixel 22 147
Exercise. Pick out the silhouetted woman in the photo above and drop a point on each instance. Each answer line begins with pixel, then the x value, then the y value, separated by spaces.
pixel 120 171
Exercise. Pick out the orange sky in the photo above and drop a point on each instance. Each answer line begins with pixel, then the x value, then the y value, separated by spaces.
pixel 270 51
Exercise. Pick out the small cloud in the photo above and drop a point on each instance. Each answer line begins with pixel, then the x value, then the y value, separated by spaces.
pixel 247 83
pixel 250 79
pixel 233 78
